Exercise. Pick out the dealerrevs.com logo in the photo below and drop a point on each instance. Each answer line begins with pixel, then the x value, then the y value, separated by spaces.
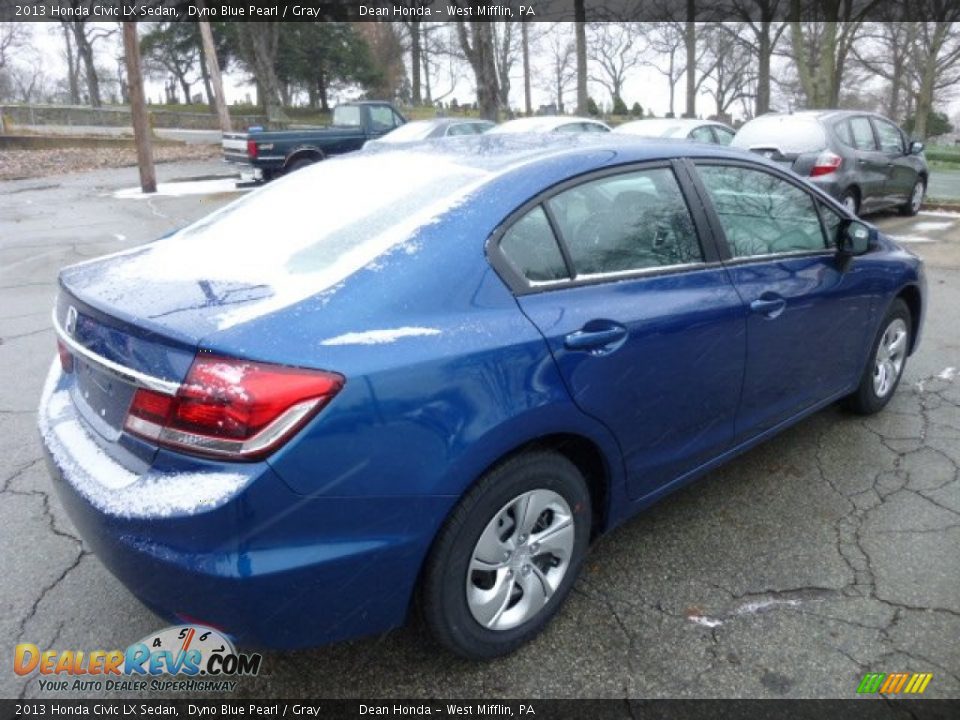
pixel 188 658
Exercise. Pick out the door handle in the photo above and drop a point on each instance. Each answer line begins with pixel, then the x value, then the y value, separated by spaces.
pixel 769 305
pixel 598 341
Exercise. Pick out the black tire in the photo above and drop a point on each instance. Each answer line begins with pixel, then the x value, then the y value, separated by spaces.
pixel 851 199
pixel 298 165
pixel 866 400
pixel 910 208
pixel 443 591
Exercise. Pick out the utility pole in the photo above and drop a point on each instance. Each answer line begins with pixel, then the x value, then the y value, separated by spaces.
pixel 138 109
pixel 213 68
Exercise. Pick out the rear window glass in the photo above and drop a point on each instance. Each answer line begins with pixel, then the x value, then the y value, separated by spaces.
pixel 347 116
pixel 530 246
pixel 786 133
pixel 862 133
pixel 410 132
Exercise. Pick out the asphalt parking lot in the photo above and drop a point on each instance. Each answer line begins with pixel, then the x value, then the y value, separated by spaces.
pixel 829 552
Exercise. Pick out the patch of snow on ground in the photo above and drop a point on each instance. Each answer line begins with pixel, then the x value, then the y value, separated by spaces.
pixel 378 337
pixel 111 487
pixel 761 605
pixel 940 213
pixel 182 189
pixel 948 374
pixel 927 225
pixel 705 621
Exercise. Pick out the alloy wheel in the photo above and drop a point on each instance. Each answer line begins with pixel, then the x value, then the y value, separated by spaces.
pixel 520 559
pixel 891 353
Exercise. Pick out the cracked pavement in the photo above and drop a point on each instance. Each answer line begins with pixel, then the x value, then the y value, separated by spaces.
pixel 823 554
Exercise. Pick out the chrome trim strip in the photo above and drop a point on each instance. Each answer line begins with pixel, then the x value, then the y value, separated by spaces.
pixel 124 373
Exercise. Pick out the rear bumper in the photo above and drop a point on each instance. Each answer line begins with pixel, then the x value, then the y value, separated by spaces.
pixel 267 566
pixel 829 184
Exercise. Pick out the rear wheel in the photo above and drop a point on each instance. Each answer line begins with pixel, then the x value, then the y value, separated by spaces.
pixel 299 164
pixel 913 205
pixel 887 360
pixel 507 557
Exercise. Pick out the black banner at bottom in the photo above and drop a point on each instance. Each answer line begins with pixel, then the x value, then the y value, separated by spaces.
pixel 854 709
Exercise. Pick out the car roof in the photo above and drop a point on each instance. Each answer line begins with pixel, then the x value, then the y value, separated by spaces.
pixel 495 152
pixel 658 126
pixel 543 123
pixel 826 114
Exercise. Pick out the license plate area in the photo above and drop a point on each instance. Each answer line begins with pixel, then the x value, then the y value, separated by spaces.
pixel 102 398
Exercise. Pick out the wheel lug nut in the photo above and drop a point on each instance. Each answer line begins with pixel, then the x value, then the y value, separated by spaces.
pixel 535 547
pixel 526 569
pixel 506 555
pixel 522 538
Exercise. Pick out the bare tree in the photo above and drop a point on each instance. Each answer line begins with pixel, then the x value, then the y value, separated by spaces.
pixel 822 33
pixel 935 58
pixel 580 27
pixel 667 41
pixel 615 49
pixel 441 55
pixel 477 44
pixel 14 36
pixel 559 47
pixel 85 36
pixel 730 65
pixel 258 44
pixel 885 50
pixel 759 32
pixel 506 51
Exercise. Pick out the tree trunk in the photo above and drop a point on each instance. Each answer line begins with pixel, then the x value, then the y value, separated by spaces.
pixel 322 92
pixel 138 109
pixel 764 51
pixel 690 40
pixel 259 41
pixel 525 40
pixel 216 79
pixel 185 87
pixel 205 72
pixel 478 46
pixel 415 60
pixel 85 51
pixel 425 54
pixel 72 79
pixel 580 16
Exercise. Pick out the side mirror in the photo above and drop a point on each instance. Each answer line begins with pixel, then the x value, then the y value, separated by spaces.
pixel 916 147
pixel 853 238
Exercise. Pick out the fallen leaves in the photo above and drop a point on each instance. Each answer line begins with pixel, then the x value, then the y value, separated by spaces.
pixel 20 164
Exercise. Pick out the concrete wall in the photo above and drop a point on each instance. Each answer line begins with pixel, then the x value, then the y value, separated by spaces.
pixel 19 114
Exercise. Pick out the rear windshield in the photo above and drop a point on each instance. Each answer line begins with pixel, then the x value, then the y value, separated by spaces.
pixel 306 232
pixel 347 116
pixel 410 132
pixel 786 133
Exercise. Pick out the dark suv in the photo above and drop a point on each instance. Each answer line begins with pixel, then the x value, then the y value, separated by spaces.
pixel 862 159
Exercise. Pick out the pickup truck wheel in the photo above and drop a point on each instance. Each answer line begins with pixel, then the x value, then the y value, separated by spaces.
pixel 299 165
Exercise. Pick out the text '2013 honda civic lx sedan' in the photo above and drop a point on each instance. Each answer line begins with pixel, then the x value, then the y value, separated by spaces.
pixel 429 377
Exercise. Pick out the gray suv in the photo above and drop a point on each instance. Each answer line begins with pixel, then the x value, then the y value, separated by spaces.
pixel 860 158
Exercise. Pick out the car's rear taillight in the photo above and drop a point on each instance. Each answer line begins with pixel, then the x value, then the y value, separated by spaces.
pixel 826 163
pixel 252 149
pixel 232 408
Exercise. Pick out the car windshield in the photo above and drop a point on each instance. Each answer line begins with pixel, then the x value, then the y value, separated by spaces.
pixel 786 133
pixel 347 116
pixel 305 233
pixel 410 132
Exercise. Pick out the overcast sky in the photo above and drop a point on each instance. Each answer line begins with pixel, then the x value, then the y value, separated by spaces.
pixel 644 85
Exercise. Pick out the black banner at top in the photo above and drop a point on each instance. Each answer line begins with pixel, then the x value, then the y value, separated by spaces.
pixel 471 10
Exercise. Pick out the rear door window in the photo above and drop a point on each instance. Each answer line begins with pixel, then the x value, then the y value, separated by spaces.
pixel 762 214
pixel 626 222
pixel 862 133
pixel 382 118
pixel 531 248
pixel 702 134
pixel 724 136
pixel 842 129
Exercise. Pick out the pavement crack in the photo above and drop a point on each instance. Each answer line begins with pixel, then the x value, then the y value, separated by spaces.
pixel 35 606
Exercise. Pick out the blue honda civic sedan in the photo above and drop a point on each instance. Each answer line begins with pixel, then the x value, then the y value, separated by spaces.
pixel 429 377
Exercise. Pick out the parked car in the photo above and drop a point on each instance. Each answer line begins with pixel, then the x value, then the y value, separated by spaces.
pixel 436 128
pixel 862 159
pixel 706 131
pixel 551 124
pixel 449 369
pixel 271 153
